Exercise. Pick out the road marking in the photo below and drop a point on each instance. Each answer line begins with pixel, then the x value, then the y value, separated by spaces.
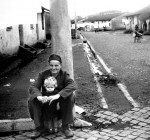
pixel 104 64
pixel 99 89
pixel 95 70
pixel 121 86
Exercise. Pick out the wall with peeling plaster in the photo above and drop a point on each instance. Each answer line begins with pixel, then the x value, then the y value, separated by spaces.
pixel 9 41
pixel 14 36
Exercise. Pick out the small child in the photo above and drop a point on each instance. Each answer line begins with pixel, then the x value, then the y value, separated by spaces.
pixel 50 84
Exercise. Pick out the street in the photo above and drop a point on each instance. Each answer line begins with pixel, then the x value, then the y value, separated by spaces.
pixel 120 121
pixel 129 61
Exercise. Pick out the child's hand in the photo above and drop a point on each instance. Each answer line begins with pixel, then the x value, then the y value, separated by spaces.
pixel 42 99
pixel 53 97
pixel 39 98
pixel 45 99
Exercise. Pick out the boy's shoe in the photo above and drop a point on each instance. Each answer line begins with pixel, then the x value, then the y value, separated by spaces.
pixel 55 130
pixel 47 132
pixel 68 132
pixel 36 134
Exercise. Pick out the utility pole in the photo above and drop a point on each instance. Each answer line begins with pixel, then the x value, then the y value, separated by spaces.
pixel 98 24
pixel 61 33
pixel 75 21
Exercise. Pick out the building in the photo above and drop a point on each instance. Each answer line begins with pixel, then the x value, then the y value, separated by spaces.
pixel 102 19
pixel 119 23
pixel 12 37
pixel 24 36
pixel 140 18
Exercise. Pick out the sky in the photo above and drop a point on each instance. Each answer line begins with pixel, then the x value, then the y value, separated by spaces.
pixel 14 12
pixel 89 7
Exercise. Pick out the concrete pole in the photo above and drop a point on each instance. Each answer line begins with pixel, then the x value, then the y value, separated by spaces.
pixel 75 19
pixel 98 24
pixel 61 33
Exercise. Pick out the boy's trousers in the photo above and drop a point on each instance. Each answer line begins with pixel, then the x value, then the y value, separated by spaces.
pixel 66 111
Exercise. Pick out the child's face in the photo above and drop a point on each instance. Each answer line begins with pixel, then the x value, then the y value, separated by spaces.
pixel 50 89
pixel 50 84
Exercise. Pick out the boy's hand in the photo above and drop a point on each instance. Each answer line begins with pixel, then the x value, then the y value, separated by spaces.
pixel 39 98
pixel 53 97
pixel 42 99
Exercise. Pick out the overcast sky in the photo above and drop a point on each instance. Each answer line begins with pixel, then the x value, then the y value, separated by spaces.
pixel 13 12
pixel 88 7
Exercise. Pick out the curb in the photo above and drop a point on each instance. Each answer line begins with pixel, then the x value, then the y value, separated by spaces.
pixel 16 125
pixel 120 85
pixel 28 124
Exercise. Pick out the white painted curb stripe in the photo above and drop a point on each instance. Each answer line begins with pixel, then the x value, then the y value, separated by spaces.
pixel 102 99
pixel 104 65
pixel 120 85
pixel 123 88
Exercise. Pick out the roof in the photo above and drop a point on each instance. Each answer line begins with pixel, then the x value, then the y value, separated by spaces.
pixel 77 20
pixel 121 16
pixel 139 12
pixel 103 16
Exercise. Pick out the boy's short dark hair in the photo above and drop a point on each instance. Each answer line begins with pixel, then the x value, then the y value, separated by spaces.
pixel 55 57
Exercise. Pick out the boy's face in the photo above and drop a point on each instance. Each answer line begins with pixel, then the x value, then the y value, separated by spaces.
pixel 55 66
pixel 50 88
pixel 50 84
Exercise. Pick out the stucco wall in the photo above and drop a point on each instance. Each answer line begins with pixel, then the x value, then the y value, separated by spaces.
pixel 29 34
pixel 41 32
pixel 9 41
pixel 135 20
pixel 47 25
pixel 148 24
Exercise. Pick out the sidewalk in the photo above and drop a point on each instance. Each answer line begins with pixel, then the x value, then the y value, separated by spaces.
pixel 133 125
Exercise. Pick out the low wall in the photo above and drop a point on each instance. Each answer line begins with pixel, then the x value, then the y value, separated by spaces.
pixel 29 34
pixel 12 37
pixel 41 27
pixel 9 41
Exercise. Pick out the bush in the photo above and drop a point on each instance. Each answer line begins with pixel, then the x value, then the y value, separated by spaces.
pixel 81 29
pixel 98 29
pixel 107 29
pixel 73 33
pixel 141 31
pixel 147 33
pixel 128 31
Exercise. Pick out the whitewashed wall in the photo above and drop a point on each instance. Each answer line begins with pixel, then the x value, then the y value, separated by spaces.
pixel 9 41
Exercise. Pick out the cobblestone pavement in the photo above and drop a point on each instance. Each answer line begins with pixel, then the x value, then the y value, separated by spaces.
pixel 135 126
